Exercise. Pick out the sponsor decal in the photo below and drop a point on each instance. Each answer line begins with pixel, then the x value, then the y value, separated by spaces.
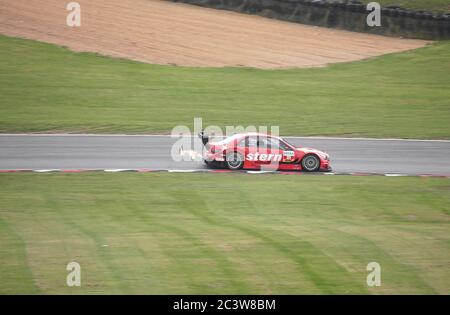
pixel 288 156
pixel 262 157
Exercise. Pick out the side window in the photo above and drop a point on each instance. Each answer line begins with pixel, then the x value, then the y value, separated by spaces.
pixel 274 144
pixel 252 142
pixel 279 145
pixel 264 142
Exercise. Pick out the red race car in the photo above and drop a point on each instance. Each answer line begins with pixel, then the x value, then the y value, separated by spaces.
pixel 261 151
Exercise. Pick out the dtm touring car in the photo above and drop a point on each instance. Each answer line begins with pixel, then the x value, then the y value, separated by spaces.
pixel 261 151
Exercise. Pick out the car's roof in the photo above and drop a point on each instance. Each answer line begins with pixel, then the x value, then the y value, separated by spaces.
pixel 245 134
pixel 238 136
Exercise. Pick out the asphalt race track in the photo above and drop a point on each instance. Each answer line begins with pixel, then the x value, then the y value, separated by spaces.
pixel 409 157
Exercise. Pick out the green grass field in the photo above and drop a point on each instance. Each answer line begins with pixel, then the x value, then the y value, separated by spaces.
pixel 223 233
pixel 429 5
pixel 45 88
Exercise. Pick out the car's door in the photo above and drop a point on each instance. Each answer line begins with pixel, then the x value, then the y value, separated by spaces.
pixel 267 158
pixel 263 156
pixel 284 153
pixel 257 151
pixel 249 145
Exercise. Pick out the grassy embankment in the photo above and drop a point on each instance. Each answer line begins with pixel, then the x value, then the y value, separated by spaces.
pixel 45 88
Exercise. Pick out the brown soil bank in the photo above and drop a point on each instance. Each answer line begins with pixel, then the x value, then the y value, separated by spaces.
pixel 163 32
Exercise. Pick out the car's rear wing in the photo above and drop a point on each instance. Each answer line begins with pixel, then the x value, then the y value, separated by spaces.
pixel 204 137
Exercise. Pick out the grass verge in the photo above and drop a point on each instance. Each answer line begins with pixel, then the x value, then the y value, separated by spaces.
pixel 45 88
pixel 228 233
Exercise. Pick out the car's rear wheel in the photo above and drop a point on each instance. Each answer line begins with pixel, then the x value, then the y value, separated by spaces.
pixel 310 163
pixel 234 161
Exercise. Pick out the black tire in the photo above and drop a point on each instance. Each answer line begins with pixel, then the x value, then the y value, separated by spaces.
pixel 310 163
pixel 234 161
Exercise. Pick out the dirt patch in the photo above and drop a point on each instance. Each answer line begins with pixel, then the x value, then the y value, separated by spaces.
pixel 163 32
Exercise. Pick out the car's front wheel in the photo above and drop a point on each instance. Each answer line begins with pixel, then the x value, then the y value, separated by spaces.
pixel 311 163
pixel 234 161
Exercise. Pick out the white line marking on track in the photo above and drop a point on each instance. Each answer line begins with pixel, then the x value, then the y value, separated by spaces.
pixel 185 171
pixel 47 171
pixel 396 175
pixel 118 170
